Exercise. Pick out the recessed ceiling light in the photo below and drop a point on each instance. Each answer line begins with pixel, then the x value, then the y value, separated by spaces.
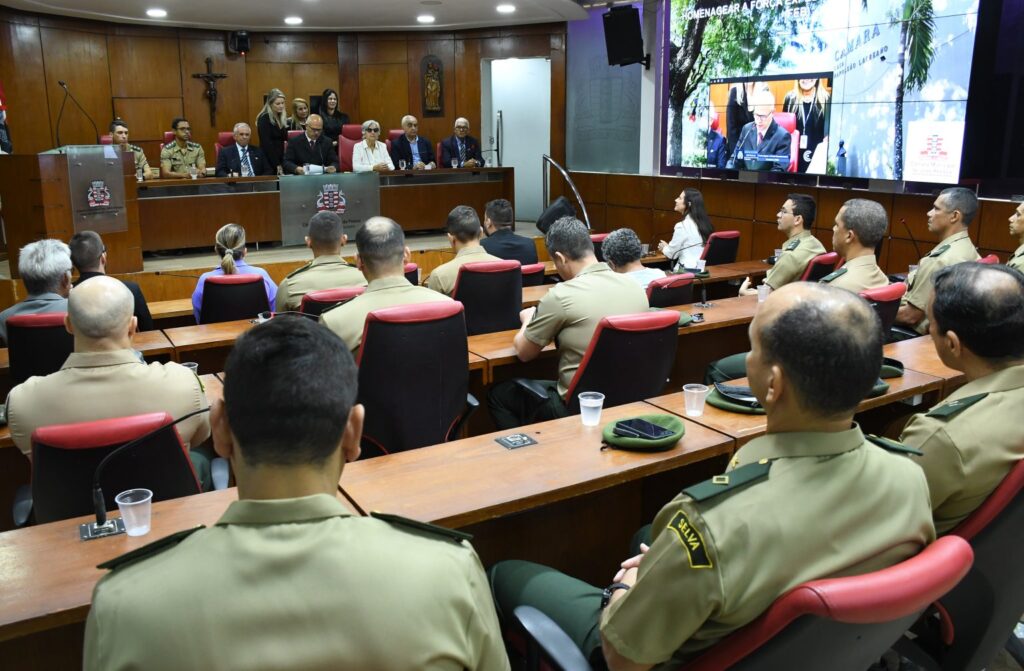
pixel 156 13
pixel 425 18
pixel 505 9
pixel 293 20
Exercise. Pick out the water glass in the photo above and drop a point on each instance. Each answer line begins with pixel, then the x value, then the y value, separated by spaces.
pixel 645 250
pixel 762 292
pixel 590 407
pixel 694 395
pixel 455 163
pixel 136 506
pixel 193 172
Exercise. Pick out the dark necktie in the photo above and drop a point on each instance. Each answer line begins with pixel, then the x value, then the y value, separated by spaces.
pixel 462 152
pixel 246 165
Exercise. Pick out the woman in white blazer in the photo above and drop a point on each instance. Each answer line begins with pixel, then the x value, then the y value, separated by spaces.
pixel 691 234
pixel 371 153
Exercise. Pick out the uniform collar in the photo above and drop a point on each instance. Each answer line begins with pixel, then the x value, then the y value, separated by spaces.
pixel 957 237
pixel 799 444
pixel 328 259
pixel 283 511
pixel 866 260
pixel 1003 380
pixel 801 235
pixel 115 357
pixel 392 282
pixel 470 251
pixel 598 267
pixel 1019 252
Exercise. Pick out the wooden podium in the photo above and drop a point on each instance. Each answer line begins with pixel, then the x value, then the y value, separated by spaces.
pixel 39 196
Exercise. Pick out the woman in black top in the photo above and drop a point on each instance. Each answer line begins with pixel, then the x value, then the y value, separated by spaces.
pixel 334 118
pixel 809 101
pixel 272 126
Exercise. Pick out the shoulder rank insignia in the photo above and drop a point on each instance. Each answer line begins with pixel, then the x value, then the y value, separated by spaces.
pixel 892 445
pixel 790 246
pixel 156 547
pixel 953 408
pixel 193 145
pixel 728 481
pixel 832 275
pixel 134 147
pixel 691 540
pixel 939 251
pixel 300 269
pixel 432 529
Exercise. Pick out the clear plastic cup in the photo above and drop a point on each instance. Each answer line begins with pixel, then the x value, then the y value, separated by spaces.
pixel 694 395
pixel 645 250
pixel 455 163
pixel 590 407
pixel 136 506
pixel 401 164
pixel 193 172
pixel 192 366
pixel 762 292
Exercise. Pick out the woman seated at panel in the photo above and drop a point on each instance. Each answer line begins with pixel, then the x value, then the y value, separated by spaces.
pixel 691 234
pixel 334 118
pixel 300 112
pixel 371 153
pixel 230 247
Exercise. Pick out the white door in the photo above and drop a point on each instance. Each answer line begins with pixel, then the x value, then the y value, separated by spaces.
pixel 517 115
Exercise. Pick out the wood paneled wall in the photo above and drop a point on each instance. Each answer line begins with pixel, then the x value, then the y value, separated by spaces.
pixel 144 75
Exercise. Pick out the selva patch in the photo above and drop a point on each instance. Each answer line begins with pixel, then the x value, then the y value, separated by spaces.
pixel 691 541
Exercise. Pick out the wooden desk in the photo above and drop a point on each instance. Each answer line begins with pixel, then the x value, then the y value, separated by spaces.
pixel 919 354
pixel 168 314
pixel 532 295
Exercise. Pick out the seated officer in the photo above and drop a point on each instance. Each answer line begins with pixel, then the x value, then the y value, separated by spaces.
pixel 119 137
pixel 288 578
pixel 181 154
pixel 971 440
pixel 725 549
pixel 950 216
pixel 796 216
pixel 464 233
pixel 381 254
pixel 327 270
pixel 568 314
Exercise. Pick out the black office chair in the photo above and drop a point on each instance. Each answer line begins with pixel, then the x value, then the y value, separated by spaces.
pixel 819 266
pixel 886 302
pixel 231 297
pixel 315 302
pixel 38 344
pixel 721 247
pixel 666 292
pixel 492 293
pixel 533 274
pixel 412 273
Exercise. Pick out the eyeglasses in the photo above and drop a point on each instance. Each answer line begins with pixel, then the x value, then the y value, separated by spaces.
pixel 762 117
pixel 314 129
pixel 184 128
pixel 373 130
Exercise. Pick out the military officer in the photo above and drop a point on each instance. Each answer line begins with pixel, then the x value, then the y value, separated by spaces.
pixel 288 577
pixel 381 254
pixel 859 228
pixel 464 232
pixel 180 154
pixel 119 134
pixel 950 217
pixel 723 550
pixel 1017 230
pixel 795 218
pixel 327 270
pixel 969 444
pixel 568 314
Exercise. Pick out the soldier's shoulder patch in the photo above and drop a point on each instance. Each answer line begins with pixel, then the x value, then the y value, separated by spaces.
pixel 728 481
pixel 939 251
pixel 833 275
pixel 440 533
pixel 149 550
pixel 691 539
pixel 134 147
pixel 892 445
pixel 300 269
pixel 194 145
pixel 953 408
pixel 790 246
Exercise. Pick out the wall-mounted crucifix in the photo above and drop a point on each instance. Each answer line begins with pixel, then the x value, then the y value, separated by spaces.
pixel 211 77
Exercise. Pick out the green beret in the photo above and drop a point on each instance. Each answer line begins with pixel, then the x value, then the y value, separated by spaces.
pixel 670 422
pixel 722 403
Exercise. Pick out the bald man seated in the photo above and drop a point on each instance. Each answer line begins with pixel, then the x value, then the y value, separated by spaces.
pixel 105 378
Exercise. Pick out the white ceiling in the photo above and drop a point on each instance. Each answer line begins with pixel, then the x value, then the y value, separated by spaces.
pixel 333 15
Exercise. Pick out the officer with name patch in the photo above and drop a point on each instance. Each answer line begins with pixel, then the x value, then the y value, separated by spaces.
pixel 119 136
pixel 180 154
pixel 969 440
pixel 327 270
pixel 859 228
pixel 1016 260
pixel 811 499
pixel 795 218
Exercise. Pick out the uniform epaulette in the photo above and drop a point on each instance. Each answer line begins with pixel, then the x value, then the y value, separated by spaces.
pixel 790 246
pixel 300 269
pixel 193 145
pixel 892 445
pixel 720 484
pixel 149 550
pixel 832 275
pixel 953 408
pixel 939 251
pixel 432 529
pixel 334 307
pixel 134 147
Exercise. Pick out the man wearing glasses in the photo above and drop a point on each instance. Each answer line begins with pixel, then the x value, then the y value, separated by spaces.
pixel 462 147
pixel 763 144
pixel 311 149
pixel 181 154
pixel 795 218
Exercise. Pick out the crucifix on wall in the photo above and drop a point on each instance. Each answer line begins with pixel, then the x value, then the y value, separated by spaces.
pixel 211 77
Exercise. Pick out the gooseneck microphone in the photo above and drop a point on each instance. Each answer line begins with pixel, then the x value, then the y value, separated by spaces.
pixel 60 114
pixel 917 250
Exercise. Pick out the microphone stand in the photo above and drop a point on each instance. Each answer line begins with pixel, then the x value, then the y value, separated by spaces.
pixel 703 304
pixel 67 94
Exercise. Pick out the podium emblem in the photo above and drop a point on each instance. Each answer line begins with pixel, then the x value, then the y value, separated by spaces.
pixel 99 194
pixel 331 199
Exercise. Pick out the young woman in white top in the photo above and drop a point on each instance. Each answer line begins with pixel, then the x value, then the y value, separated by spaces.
pixel 371 153
pixel 691 234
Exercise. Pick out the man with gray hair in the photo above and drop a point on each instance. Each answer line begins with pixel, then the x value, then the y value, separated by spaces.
pixel 242 159
pixel 622 251
pixel 104 377
pixel 763 144
pixel 45 268
pixel 327 270
pixel 461 147
pixel 860 225
pixel 464 233
pixel 416 151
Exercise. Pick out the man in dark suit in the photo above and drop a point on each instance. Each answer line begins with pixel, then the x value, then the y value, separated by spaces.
pixel 416 151
pixel 461 146
pixel 500 240
pixel 242 159
pixel 763 144
pixel 310 148
pixel 89 256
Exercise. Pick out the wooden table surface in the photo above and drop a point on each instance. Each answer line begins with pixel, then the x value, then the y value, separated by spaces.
pixel 177 307
pixel 919 354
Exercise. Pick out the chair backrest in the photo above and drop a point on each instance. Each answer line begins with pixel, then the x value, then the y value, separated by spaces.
pixel 412 273
pixel 107 139
pixel 886 302
pixel 721 247
pixel 345 148
pixel 597 239
pixel 492 294
pixel 437 155
pixel 230 297
pixel 842 623
pixel 412 375
pixel 352 131
pixel 991 259
pixel 38 344
pixel 819 266
pixel 294 133
pixel 168 136
pixel 533 274
pixel 665 292
pixel 643 344
pixel 224 139
pixel 788 121
pixel 65 457
pixel 315 302
pixel 394 134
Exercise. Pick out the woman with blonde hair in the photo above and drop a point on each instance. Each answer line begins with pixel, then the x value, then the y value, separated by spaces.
pixel 229 244
pixel 272 126
pixel 300 112
pixel 809 101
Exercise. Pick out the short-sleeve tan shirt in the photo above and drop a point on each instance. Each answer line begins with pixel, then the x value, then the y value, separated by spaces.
pixel 1017 260
pixel 323 272
pixel 858 275
pixel 954 249
pixel 182 159
pixel 797 252
pixel 444 276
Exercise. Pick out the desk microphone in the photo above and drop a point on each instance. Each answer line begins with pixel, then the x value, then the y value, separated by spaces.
pixel 164 272
pixel 917 250
pixel 67 94
pixel 703 295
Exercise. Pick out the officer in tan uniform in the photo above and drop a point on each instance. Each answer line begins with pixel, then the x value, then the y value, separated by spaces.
pixel 859 228
pixel 950 217
pixel 288 578
pixel 1017 230
pixel 725 549
pixel 568 314
pixel 119 134
pixel 970 440
pixel 464 232
pixel 106 378
pixel 327 270
pixel 381 254
pixel 796 216
pixel 178 155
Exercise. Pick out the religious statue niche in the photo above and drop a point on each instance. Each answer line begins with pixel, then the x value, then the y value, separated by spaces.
pixel 432 73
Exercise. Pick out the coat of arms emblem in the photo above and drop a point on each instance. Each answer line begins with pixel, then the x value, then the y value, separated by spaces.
pixel 331 199
pixel 99 194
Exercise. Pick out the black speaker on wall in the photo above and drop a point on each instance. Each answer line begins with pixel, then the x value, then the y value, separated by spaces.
pixel 622 37
pixel 238 42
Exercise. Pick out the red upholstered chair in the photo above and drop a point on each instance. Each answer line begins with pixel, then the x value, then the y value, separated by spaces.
pixel 345 148
pixel 834 624
pixel 316 302
pixel 387 143
pixel 394 134
pixel 819 266
pixel 293 133
pixel 597 239
pixel 665 292
pixel 107 139
pixel 492 293
pixel 168 136
pixel 721 247
pixel 412 273
pixel 230 297
pixel 352 131
pixel 37 344
pixel 533 274
pixel 413 378
pixel 788 121
pixel 437 156
pixel 886 302
pixel 991 259
pixel 224 139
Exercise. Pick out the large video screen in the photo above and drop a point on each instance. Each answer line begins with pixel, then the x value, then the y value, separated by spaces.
pixel 860 88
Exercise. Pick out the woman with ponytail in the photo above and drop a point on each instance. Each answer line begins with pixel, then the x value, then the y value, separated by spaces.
pixel 230 247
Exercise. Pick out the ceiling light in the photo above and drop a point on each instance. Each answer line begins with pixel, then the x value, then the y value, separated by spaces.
pixel 293 20
pixel 505 9
pixel 156 13
pixel 425 18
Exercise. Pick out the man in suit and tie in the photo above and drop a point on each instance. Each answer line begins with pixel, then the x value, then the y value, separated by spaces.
pixel 310 148
pixel 416 151
pixel 461 146
pixel 242 159
pixel 763 144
